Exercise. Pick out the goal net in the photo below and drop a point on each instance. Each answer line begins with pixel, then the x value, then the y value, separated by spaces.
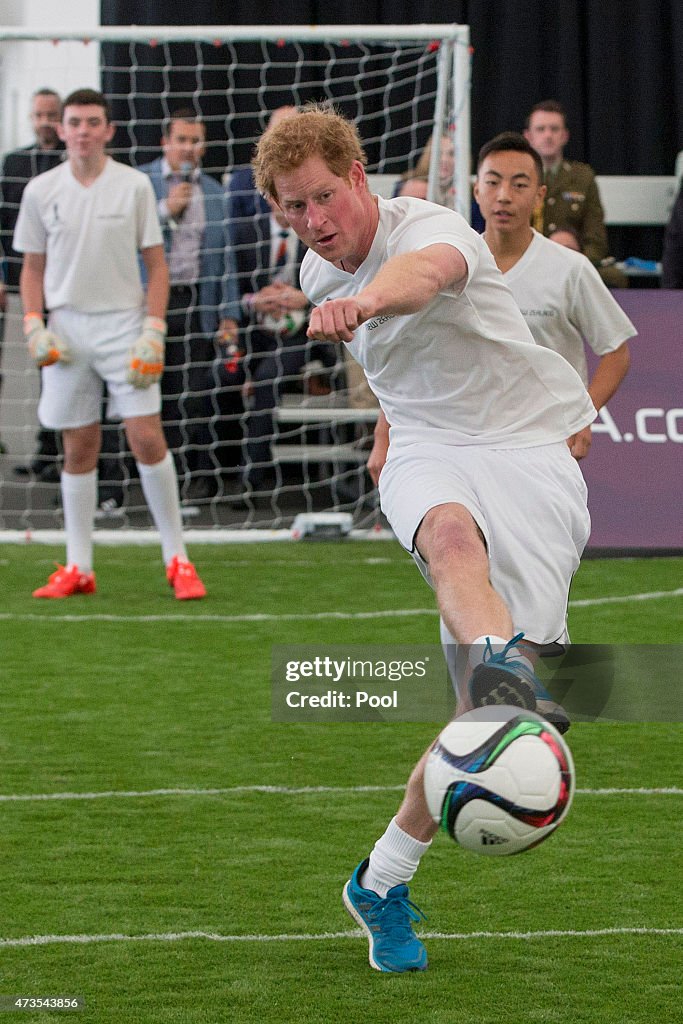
pixel 295 417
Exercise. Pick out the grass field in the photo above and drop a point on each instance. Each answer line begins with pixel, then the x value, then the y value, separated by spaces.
pixel 145 870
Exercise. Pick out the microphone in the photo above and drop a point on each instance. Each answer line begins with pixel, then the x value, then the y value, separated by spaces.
pixel 185 172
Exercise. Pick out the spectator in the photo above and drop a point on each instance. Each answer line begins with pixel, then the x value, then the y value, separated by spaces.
pixel 412 185
pixel 203 308
pixel 566 237
pixel 572 198
pixel 672 256
pixel 244 200
pixel 446 186
pixel 275 349
pixel 81 227
pixel 17 170
pixel 415 181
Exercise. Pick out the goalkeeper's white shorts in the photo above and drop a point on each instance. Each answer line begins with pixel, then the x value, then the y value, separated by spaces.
pixel 100 345
pixel 530 505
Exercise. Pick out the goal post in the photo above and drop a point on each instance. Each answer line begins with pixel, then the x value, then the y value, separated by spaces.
pixel 403 85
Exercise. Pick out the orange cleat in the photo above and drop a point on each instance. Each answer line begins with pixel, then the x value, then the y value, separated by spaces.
pixel 66 582
pixel 184 579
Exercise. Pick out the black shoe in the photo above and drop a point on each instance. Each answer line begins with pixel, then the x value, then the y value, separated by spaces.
pixel 50 474
pixel 200 489
pixel 23 470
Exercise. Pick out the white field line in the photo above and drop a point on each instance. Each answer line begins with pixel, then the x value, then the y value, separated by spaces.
pixel 569 933
pixel 142 794
pixel 240 563
pixel 655 595
pixel 388 613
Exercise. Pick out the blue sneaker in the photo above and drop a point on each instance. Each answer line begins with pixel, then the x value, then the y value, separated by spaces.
pixel 387 922
pixel 502 679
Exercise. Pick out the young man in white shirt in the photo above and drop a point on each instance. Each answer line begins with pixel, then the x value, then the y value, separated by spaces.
pixel 478 452
pixel 81 227
pixel 561 295
pixel 558 290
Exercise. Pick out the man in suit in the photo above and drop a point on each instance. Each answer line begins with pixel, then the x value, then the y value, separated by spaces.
pixel 244 200
pixel 204 305
pixel 273 353
pixel 18 168
pixel 274 348
pixel 572 197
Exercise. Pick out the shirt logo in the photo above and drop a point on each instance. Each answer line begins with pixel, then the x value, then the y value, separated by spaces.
pixel 537 312
pixel 372 324
pixel 54 220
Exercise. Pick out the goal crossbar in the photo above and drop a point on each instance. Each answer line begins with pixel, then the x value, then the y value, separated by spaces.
pixel 242 33
pixel 405 87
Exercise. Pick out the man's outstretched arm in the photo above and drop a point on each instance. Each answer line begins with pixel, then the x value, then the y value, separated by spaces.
pixel 405 284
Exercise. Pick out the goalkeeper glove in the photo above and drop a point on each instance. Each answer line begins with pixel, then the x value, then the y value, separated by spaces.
pixel 45 347
pixel 147 354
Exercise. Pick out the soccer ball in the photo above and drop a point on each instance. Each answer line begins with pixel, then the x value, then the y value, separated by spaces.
pixel 499 780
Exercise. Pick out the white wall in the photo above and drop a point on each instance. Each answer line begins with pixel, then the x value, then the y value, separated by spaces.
pixel 27 66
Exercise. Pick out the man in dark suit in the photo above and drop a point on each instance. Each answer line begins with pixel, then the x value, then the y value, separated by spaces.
pixel 204 299
pixel 18 168
pixel 244 200
pixel 274 348
pixel 203 305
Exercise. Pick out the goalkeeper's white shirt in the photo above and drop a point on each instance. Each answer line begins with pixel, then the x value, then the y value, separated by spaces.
pixel 91 236
pixel 565 302
pixel 465 369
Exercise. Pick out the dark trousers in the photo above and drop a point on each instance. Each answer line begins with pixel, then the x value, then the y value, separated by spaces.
pixel 272 365
pixel 184 391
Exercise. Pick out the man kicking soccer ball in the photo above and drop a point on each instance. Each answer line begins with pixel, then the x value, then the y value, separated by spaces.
pixel 479 484
pixel 81 226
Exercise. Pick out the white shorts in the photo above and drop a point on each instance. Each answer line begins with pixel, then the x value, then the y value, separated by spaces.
pixel 530 505
pixel 100 345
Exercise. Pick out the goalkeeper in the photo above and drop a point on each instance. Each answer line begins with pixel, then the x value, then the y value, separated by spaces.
pixel 81 227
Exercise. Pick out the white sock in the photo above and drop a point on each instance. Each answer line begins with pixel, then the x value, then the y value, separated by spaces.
pixel 497 644
pixel 79 501
pixel 450 653
pixel 160 488
pixel 394 859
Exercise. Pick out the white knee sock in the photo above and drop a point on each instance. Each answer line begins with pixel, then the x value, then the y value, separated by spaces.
pixel 79 501
pixel 160 487
pixel 394 859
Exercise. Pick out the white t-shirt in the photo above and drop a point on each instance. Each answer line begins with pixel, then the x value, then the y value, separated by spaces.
pixel 565 302
pixel 465 369
pixel 90 235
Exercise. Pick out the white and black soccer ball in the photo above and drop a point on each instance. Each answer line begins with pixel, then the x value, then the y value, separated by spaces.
pixel 499 780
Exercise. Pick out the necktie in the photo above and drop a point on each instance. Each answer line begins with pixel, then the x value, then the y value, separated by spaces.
pixel 281 254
